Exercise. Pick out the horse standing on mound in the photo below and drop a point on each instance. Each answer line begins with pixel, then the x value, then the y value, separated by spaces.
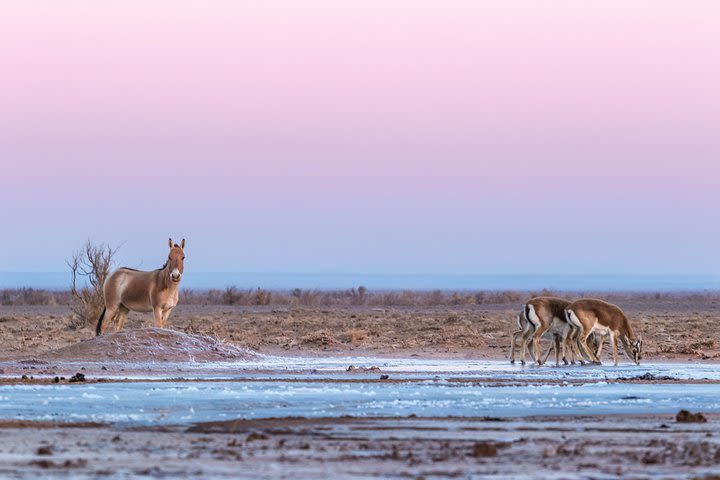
pixel 129 289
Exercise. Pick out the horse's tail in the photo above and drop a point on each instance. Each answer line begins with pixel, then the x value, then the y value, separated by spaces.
pixel 98 329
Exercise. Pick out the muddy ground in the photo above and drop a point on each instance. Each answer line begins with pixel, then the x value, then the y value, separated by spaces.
pixel 417 448
pixel 682 327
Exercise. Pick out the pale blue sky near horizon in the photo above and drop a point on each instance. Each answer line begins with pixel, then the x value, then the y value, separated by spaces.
pixel 329 281
pixel 450 138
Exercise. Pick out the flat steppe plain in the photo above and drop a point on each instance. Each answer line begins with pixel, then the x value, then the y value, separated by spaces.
pixel 675 328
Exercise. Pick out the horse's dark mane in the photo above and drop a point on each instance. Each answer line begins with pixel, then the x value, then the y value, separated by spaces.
pixel 136 270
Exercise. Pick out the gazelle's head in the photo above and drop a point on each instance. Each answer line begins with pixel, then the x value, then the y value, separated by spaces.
pixel 636 350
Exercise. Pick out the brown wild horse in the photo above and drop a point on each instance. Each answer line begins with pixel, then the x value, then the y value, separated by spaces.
pixel 129 289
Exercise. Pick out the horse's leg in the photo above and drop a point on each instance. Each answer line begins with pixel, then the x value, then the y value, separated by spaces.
pixel 110 314
pixel 166 315
pixel 121 317
pixel 158 317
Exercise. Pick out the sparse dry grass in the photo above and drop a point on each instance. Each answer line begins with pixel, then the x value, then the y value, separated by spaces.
pixel 672 326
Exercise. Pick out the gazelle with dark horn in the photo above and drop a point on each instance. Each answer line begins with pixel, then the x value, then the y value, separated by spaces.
pixel 597 316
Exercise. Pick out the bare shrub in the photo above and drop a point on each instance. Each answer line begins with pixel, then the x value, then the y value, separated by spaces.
pixel 89 267
pixel 435 298
pixel 362 293
pixel 262 297
pixel 231 296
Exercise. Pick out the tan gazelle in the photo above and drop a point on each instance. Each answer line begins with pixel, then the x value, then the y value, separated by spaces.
pixel 597 316
pixel 547 314
pixel 523 329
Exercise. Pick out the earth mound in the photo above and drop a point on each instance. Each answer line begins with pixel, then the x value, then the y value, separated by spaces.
pixel 152 344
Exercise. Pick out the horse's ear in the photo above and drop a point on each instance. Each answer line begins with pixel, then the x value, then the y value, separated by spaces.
pixel 170 242
pixel 182 244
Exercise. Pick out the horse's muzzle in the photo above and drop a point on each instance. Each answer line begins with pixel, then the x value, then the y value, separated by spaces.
pixel 175 276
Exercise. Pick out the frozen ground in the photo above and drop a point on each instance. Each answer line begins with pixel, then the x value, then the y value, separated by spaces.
pixel 275 367
pixel 312 388
pixel 141 403
pixel 305 417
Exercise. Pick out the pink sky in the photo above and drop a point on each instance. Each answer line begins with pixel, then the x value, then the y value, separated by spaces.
pixel 478 136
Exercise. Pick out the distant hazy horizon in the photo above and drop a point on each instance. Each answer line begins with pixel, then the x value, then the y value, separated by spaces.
pixel 340 281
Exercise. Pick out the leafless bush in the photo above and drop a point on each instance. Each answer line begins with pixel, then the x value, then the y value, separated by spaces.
pixel 89 267
pixel 262 297
pixel 232 296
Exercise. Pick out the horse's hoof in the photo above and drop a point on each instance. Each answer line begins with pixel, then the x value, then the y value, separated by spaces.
pixel 565 361
pixel 522 362
pixel 512 362
pixel 597 363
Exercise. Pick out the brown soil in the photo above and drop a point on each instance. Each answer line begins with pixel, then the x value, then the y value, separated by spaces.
pixel 679 327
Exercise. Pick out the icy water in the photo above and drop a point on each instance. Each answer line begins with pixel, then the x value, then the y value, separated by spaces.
pixel 288 391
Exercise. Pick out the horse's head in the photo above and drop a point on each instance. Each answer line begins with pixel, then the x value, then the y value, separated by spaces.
pixel 176 260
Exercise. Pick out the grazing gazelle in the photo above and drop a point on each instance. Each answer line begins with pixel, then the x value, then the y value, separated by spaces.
pixel 547 314
pixel 604 318
pixel 156 291
pixel 524 328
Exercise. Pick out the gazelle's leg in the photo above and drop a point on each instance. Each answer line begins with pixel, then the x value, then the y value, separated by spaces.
pixel 567 330
pixel 586 349
pixel 614 340
pixel 526 338
pixel 536 342
pixel 576 345
pixel 568 345
pixel 600 340
pixel 121 317
pixel 514 337
pixel 582 355
pixel 550 349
